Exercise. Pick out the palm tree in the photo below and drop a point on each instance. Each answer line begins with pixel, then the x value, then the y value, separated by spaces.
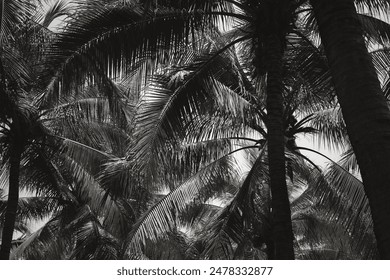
pixel 31 209
pixel 21 133
pixel 13 13
pixel 137 17
pixel 364 106
pixel 275 107
pixel 158 120
pixel 93 213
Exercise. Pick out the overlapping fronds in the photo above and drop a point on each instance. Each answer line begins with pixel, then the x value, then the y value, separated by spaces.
pixel 236 221
pixel 386 88
pixel 307 73
pixel 106 41
pixel 89 158
pixel 94 243
pixel 117 174
pixel 352 189
pixel 160 217
pixel 374 7
pixel 381 60
pixel 38 207
pixel 174 246
pixel 29 209
pixel 81 166
pixel 119 216
pixel 336 201
pixel 105 102
pixel 104 137
pixel 53 10
pixel 196 216
pixel 172 111
pixel 319 239
pixel 331 128
pixel 12 13
pixel 15 69
pixel 206 5
pixel 76 222
pixel 376 31
pixel 191 157
pixel 57 238
pixel 40 174
pixel 348 161
pixel 46 243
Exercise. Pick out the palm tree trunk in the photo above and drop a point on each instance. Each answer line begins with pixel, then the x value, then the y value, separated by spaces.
pixel 12 204
pixel 270 250
pixel 364 107
pixel 281 213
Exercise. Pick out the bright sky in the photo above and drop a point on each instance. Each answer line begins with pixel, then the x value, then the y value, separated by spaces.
pixel 308 142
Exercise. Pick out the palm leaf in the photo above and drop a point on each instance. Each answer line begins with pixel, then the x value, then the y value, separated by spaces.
pixel 232 224
pixel 158 219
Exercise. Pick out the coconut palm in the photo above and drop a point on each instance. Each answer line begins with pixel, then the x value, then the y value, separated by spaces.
pixel 364 106
pixel 14 13
pixel 169 96
pixel 23 137
pixel 90 218
pixel 270 30
pixel 96 36
pixel 328 215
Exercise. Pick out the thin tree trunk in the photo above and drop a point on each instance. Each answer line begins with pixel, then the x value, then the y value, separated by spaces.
pixel 364 107
pixel 12 203
pixel 281 213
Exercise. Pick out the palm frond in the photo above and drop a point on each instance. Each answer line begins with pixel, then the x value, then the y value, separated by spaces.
pixel 118 180
pixel 94 243
pixel 331 128
pixel 348 161
pixel 104 40
pixel 37 208
pixel 376 31
pixel 45 243
pixel 40 174
pixel 337 198
pixel 53 11
pixel 374 7
pixel 12 13
pixel 233 224
pixel 164 112
pixel 381 60
pixel 91 159
pixel 159 218
pixel 309 71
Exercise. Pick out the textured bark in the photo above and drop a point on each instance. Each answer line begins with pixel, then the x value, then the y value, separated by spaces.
pixel 364 107
pixel 281 214
pixel 12 203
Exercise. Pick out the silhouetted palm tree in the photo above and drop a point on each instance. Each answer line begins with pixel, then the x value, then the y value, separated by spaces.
pixel 364 106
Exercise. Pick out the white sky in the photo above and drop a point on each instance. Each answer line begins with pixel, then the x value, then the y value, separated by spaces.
pixel 308 142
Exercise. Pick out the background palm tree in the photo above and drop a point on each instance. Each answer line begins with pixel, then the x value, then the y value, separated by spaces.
pixel 21 133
